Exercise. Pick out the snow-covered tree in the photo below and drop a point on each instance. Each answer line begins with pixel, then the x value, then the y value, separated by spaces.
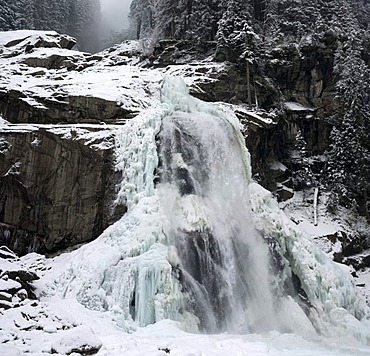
pixel 287 20
pixel 203 20
pixel 235 30
pixel 15 14
pixel 349 164
pixel 142 17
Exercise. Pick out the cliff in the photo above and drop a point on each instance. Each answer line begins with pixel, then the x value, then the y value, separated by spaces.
pixel 60 109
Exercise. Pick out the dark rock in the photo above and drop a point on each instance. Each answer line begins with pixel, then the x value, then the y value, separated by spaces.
pixel 5 252
pixel 284 193
pixel 358 262
pixel 52 62
pixel 60 194
pixel 5 305
pixel 338 257
pixel 5 297
pixel 9 286
pixel 16 107
pixel 22 275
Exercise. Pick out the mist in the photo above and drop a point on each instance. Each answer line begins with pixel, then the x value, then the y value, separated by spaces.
pixel 115 14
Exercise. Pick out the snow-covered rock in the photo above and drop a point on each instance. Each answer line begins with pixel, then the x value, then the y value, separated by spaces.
pixel 80 340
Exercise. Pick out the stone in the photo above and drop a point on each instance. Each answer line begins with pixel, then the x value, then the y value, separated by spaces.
pixel 284 193
pixel 60 195
pixel 4 296
pixel 16 107
pixel 5 304
pixel 50 62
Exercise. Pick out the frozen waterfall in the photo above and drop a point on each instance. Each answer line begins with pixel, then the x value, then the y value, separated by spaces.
pixel 201 243
pixel 221 261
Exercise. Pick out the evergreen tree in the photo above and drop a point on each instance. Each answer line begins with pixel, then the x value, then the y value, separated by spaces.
pixel 349 164
pixel 203 20
pixel 235 32
pixel 142 17
pixel 11 14
pixel 287 21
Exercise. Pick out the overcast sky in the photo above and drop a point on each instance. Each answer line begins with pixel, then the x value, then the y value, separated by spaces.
pixel 115 13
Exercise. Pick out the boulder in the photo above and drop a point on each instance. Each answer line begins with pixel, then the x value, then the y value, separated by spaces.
pixel 79 339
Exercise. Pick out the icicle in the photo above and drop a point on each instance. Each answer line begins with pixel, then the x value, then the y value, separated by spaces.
pixel 316 193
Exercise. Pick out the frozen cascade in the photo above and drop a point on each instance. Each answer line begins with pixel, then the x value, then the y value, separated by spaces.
pixel 193 248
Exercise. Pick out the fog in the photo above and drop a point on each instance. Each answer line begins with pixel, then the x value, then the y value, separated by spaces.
pixel 115 14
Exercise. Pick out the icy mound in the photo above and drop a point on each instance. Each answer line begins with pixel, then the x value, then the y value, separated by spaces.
pixel 336 306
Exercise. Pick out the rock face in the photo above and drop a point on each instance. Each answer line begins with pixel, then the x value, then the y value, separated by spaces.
pixel 55 192
pixel 17 108
pixel 57 178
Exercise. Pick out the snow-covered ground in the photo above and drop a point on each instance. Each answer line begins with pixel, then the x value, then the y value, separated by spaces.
pixel 62 324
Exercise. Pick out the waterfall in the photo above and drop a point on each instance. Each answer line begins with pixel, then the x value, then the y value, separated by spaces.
pixel 223 262
pixel 201 243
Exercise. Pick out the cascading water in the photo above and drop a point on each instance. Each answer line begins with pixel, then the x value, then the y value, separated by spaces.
pixel 223 263
pixel 187 249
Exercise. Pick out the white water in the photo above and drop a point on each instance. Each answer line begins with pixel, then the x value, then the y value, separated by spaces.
pixel 140 270
pixel 223 261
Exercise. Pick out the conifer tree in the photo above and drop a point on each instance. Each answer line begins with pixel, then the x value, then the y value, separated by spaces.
pixel 235 32
pixel 349 163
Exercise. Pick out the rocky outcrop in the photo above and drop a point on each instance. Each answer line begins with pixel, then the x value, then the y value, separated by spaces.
pixel 15 282
pixel 16 107
pixel 54 192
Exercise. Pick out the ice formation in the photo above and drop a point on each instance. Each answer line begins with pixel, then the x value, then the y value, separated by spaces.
pixel 201 243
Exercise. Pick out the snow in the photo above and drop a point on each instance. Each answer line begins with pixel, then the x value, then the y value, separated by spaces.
pixel 293 106
pixel 89 327
pixel 119 291
pixel 301 210
pixel 9 350
pixel 9 36
pixel 9 284
pixel 80 338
